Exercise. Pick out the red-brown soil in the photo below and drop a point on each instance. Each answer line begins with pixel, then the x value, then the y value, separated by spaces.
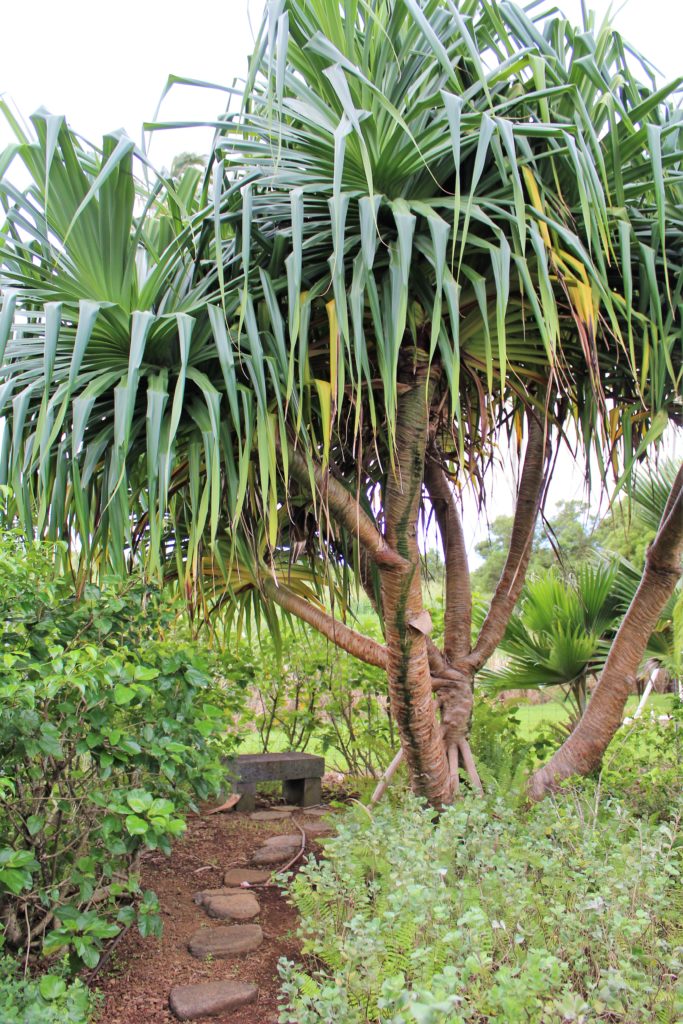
pixel 137 980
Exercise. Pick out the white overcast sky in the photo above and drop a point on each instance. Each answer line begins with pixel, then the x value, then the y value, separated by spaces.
pixel 104 65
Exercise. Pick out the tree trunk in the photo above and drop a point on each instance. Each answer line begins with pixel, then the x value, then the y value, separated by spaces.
pixel 582 752
pixel 409 677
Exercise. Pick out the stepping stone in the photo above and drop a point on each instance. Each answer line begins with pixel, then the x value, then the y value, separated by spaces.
pixel 239 906
pixel 269 815
pixel 227 890
pixel 284 841
pixel 274 854
pixel 189 1002
pixel 239 876
pixel 320 828
pixel 317 812
pixel 223 942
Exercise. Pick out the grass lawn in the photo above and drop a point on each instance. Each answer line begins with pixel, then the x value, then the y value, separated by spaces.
pixel 251 744
pixel 532 718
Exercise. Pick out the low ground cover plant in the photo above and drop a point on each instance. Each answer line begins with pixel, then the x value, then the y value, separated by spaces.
pixel 51 999
pixel 491 914
pixel 111 729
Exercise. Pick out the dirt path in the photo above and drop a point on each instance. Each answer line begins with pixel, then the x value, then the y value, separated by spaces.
pixel 136 984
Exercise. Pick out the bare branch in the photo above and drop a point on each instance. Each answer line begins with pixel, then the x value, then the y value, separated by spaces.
pixel 510 585
pixel 470 766
pixel 454 769
pixel 381 786
pixel 345 509
pixel 362 647
pixel 458 607
pixel 673 501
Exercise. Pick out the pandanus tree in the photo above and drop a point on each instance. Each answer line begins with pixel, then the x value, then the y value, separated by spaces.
pixel 425 225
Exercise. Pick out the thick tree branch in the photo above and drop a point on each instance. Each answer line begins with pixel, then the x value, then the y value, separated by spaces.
pixel 458 607
pixel 345 509
pixel 672 501
pixel 362 647
pixel 510 585
pixel 583 750
pixel 444 674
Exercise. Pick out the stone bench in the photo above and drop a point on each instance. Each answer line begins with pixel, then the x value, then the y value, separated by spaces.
pixel 300 774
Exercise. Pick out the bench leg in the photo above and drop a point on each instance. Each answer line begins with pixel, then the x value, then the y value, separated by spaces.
pixel 304 792
pixel 247 791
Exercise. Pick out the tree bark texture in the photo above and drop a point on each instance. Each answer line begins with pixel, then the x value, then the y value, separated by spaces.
pixel 458 601
pixel 583 750
pixel 409 676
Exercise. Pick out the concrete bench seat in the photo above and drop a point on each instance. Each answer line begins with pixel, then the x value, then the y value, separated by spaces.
pixel 300 774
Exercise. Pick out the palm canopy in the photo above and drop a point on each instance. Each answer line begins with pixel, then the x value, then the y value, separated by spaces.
pixel 561 632
pixel 490 190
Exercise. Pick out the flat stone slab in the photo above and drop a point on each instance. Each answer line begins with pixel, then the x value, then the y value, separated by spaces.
pixel 271 767
pixel 293 839
pixel 242 876
pixel 240 905
pixel 227 890
pixel 189 1002
pixel 316 812
pixel 275 815
pixel 225 941
pixel 274 854
pixel 320 828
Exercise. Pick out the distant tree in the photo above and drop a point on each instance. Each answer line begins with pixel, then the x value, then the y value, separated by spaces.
pixel 621 532
pixel 565 541
pixel 494 551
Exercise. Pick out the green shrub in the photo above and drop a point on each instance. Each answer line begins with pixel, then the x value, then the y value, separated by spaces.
pixel 48 1000
pixel 310 690
pixel 491 915
pixel 108 734
pixel 643 766
pixel 285 689
pixel 502 756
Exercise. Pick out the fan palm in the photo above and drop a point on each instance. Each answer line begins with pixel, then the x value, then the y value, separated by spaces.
pixel 426 223
pixel 558 635
pixel 562 630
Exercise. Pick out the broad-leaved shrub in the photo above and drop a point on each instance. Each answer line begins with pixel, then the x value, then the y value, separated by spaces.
pixel 51 999
pixel 110 729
